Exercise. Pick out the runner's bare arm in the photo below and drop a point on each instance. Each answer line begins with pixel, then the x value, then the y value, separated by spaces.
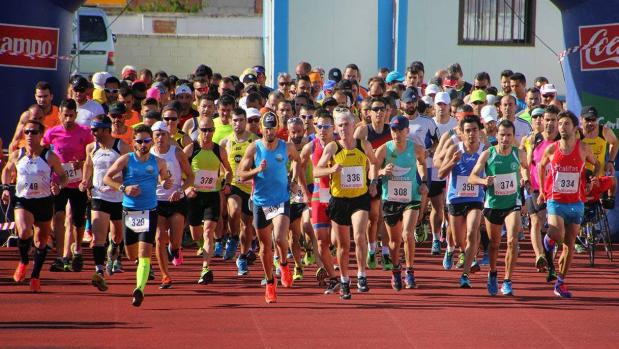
pixel 322 169
pixel 183 161
pixel 293 155
pixel 188 149
pixel 376 169
pixel 541 173
pixel 361 132
pixel 223 154
pixel 439 153
pixel 475 178
pixel 587 154
pixel 613 147
pixel 54 162
pixel 245 171
pixel 451 157
pixel 117 167
pixel 369 152
pixel 87 169
pixel 9 170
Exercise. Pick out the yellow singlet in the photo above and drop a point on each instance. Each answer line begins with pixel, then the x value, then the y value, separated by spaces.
pixel 351 181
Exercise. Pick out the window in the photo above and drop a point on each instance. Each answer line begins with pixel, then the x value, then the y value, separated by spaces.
pixel 496 22
pixel 92 29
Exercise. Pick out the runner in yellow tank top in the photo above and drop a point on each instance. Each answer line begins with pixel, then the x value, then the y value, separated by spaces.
pixel 346 161
pixel 598 137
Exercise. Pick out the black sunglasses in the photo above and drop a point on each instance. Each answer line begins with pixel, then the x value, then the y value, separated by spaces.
pixel 253 120
pixel 112 90
pixel 143 141
pixel 31 132
pixel 377 109
pixel 207 129
pixel 170 119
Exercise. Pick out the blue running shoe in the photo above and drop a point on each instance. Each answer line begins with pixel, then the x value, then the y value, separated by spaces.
pixel 231 247
pixel 506 289
pixel 241 265
pixel 549 244
pixel 561 290
pixel 396 280
pixel 410 280
pixel 486 259
pixel 448 262
pixel 465 282
pixel 493 283
pixel 219 249
pixel 436 248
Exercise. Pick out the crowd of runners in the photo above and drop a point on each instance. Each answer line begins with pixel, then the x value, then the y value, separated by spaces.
pixel 290 175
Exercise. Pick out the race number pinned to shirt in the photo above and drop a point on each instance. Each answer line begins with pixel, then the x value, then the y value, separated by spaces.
pixel 399 191
pixel 465 189
pixel 566 182
pixel 324 195
pixel 505 184
pixel 352 177
pixel 137 221
pixel 205 180
pixel 271 212
pixel 74 175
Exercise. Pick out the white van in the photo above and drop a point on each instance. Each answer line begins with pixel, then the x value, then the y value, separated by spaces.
pixel 96 42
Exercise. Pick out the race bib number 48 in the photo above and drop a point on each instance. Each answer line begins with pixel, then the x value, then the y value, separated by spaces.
pixel 352 177
pixel 566 182
pixel 137 221
pixel 465 189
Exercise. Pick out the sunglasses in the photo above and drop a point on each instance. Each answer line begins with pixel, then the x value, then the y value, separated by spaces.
pixel 324 126
pixel 548 95
pixel 480 87
pixel 80 89
pixel 112 90
pixel 94 130
pixel 31 132
pixel 377 109
pixel 253 120
pixel 591 119
pixel 143 141
pixel 309 116
pixel 478 102
pixel 170 119
pixel 536 116
pixel 116 116
pixel 207 129
pixel 283 83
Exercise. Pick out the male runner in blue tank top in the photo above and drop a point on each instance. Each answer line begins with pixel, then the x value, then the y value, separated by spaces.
pixel 141 172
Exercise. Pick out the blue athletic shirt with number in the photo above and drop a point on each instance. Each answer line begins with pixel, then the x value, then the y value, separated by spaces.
pixel 145 175
pixel 402 185
pixel 459 191
pixel 271 185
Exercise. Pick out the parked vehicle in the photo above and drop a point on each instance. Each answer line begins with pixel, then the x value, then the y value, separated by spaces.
pixel 96 42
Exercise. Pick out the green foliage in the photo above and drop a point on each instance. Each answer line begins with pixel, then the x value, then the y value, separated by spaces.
pixel 182 6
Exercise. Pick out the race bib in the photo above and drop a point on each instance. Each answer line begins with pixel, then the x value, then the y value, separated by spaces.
pixel 74 175
pixel 399 191
pixel 205 180
pixel 137 221
pixel 464 189
pixel 566 182
pixel 505 184
pixel 32 188
pixel 324 195
pixel 271 212
pixel 352 177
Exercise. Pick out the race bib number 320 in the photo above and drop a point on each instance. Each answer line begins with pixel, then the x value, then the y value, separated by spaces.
pixel 137 221
pixel 352 177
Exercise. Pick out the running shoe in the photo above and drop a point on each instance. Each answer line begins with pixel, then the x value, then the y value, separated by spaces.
pixel 332 286
pixel 231 247
pixel 579 248
pixel 270 294
pixel 420 234
pixel 117 267
pixel 219 249
pixel 57 265
pixel 460 263
pixel 286 275
pixel 485 260
pixel 371 260
pixel 276 266
pixel 251 257
pixel 151 273
pixel 493 283
pixel 561 290
pixel 77 263
pixel 552 274
pixel 263 282
pixel 387 263
pixel 87 238
pixel 66 265
pixel 206 276
pixel 345 290
pixel 298 274
pixel 138 297
pixel 35 285
pixel 289 254
pixel 549 244
pixel 309 258
pixel 241 265
pixel 109 267
pixel 178 260
pixel 396 280
pixel 169 253
pixel 409 279
pixel 166 283
pixel 362 284
pixel 506 289
pixel 436 248
pixel 465 282
pixel 448 262
pixel 475 267
pixel 321 276
pixel 20 272
pixel 541 264
pixel 99 282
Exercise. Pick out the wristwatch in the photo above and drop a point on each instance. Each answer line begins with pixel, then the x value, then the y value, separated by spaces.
pixel 122 188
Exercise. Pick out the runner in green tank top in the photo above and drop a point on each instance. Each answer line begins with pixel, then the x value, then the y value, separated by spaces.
pixel 505 169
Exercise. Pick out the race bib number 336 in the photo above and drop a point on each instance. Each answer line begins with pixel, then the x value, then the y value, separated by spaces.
pixel 352 177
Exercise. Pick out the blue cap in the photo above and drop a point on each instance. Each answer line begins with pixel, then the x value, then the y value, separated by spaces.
pixel 269 120
pixel 409 95
pixel 399 122
pixel 394 76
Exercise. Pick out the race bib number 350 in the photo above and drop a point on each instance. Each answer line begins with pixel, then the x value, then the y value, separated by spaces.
pixel 465 189
pixel 566 182
pixel 137 221
pixel 352 177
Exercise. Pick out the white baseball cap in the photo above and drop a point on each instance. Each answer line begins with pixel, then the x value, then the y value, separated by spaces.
pixel 252 112
pixel 160 126
pixel 98 79
pixel 432 88
pixel 489 113
pixel 182 89
pixel 442 97
pixel 427 100
pixel 548 88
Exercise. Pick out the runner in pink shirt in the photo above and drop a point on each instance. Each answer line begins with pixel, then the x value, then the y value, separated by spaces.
pixel 69 140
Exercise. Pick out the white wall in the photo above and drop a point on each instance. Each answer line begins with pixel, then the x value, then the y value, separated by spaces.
pixel 330 33
pixel 191 24
pixel 433 39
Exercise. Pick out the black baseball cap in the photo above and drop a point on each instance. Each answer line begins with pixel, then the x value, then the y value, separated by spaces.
pixel 118 108
pixel 589 111
pixel 269 120
pixel 409 95
pixel 79 82
pixel 335 74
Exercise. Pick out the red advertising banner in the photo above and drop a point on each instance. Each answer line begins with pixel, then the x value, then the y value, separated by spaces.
pixel 28 46
pixel 599 47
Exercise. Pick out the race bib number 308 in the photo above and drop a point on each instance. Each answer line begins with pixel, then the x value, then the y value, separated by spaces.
pixel 399 191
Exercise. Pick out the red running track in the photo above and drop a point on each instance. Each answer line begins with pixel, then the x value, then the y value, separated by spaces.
pixel 231 312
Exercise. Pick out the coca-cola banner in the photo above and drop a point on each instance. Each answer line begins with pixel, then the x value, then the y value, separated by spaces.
pixel 28 46
pixel 599 47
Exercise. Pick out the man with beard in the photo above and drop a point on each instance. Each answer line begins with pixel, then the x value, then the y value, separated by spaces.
pixel 86 109
pixel 206 108
pixel 599 138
